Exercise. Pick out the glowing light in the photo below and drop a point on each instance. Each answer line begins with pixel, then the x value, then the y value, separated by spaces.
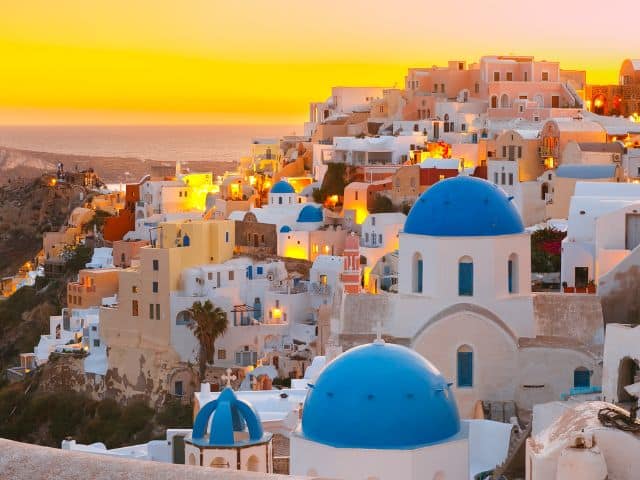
pixel 548 162
pixel 598 103
pixel 296 251
pixel 276 313
pixel 53 182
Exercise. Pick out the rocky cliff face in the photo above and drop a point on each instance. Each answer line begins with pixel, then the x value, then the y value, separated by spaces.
pixel 25 164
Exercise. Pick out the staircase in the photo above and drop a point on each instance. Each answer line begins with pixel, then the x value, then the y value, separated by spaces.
pixel 569 90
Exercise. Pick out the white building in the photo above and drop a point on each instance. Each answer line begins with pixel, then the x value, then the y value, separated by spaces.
pixel 603 229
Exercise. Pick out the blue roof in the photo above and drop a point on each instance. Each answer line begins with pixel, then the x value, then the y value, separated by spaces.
pixel 586 171
pixel 310 214
pixel 463 206
pixel 285 229
pixel 380 396
pixel 282 187
pixel 229 415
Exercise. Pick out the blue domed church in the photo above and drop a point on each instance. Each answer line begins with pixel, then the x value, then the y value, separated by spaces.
pixel 381 411
pixel 464 301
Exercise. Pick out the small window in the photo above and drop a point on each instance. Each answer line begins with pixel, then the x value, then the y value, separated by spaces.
pixel 156 265
pixel 477 88
pixel 526 76
pixel 373 221
pixel 504 151
pixel 134 308
pixel 545 76
pixel 511 179
pixel 155 287
pixel 157 311
pixel 226 237
pixel 259 270
pixel 465 366
pixel 496 76
pixel 231 275
pixel 509 76
pixel 380 239
pixel 222 354
pixel 151 311
pixel 210 276
pixel 503 177
pixel 96 342
pixel 134 289
pixel 519 152
pixel 495 178
pixel 218 279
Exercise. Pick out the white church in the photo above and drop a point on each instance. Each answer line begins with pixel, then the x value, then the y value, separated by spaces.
pixel 464 302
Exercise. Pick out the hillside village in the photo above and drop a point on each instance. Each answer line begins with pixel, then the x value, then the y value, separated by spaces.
pixel 473 235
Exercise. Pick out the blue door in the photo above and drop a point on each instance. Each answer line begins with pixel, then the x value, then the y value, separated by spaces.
pixel 419 279
pixel 465 369
pixel 250 272
pixel 465 279
pixel 581 378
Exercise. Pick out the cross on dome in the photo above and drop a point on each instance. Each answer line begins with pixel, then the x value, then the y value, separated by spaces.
pixel 378 331
pixel 228 377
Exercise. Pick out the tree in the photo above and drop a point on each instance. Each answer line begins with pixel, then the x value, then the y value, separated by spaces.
pixel 209 323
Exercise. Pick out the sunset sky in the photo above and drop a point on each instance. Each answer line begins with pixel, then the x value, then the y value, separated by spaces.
pixel 259 61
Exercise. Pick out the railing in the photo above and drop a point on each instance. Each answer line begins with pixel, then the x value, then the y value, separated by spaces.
pixel 289 289
pixel 320 288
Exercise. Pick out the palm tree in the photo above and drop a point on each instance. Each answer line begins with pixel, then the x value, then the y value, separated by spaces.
pixel 210 322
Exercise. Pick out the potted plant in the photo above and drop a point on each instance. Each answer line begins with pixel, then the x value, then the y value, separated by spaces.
pixel 567 289
pixel 591 287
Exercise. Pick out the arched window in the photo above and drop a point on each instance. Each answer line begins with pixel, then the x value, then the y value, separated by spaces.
pixel 581 378
pixel 192 459
pixel 494 101
pixel 186 241
pixel 465 277
pixel 219 462
pixel 465 366
pixel 543 191
pixel 253 464
pixel 504 101
pixel 417 268
pixel 512 273
pixel 184 317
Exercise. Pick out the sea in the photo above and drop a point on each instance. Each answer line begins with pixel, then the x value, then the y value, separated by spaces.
pixel 158 142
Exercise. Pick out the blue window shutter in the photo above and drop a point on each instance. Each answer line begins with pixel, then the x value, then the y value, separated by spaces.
pixel 419 273
pixel 510 271
pixel 465 279
pixel 581 378
pixel 465 369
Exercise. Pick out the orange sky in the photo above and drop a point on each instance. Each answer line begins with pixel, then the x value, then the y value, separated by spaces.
pixel 259 61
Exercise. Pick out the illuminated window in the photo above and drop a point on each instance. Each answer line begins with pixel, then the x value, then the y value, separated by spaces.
pixel 323 279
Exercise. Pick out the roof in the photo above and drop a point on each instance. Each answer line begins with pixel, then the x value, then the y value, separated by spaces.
pixel 573 125
pixel 380 396
pixel 586 171
pixel 282 187
pixel 611 147
pixel 441 163
pixel 463 206
pixel 310 214
pixel 227 415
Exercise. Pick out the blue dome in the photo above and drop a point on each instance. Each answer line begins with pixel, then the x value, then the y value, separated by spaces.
pixel 380 396
pixel 285 229
pixel 229 415
pixel 282 187
pixel 461 207
pixel 310 214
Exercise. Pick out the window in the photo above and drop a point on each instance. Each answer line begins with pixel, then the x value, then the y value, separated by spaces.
pixel 177 388
pixel 504 151
pixel 134 308
pixel 495 178
pixel 509 76
pixel 154 287
pixel 494 101
pixel 210 276
pixel 226 237
pixel 581 378
pixel 366 237
pixel 280 200
pixel 222 354
pixel 503 177
pixel 151 311
pixel 496 76
pixel 477 88
pixel 356 196
pixel 512 273
pixel 373 221
pixel 231 275
pixel 463 127
pixel 510 178
pixel 526 76
pixel 380 239
pixel 417 273
pixel 156 265
pixel 217 279
pixel 435 88
pixel 465 277
pixel 581 276
pixel 259 270
pixel 134 289
pixel 323 279
pixel 465 366
pixel 545 76
pixel 96 342
pixel 157 311
pixel 519 152
pixel 442 88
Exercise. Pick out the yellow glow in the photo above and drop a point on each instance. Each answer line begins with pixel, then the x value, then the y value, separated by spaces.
pixel 252 180
pixel 361 215
pixel 53 182
pixel 367 275
pixel 296 251
pixel 548 162
pixel 276 313
pixel 200 184
pixel 207 61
